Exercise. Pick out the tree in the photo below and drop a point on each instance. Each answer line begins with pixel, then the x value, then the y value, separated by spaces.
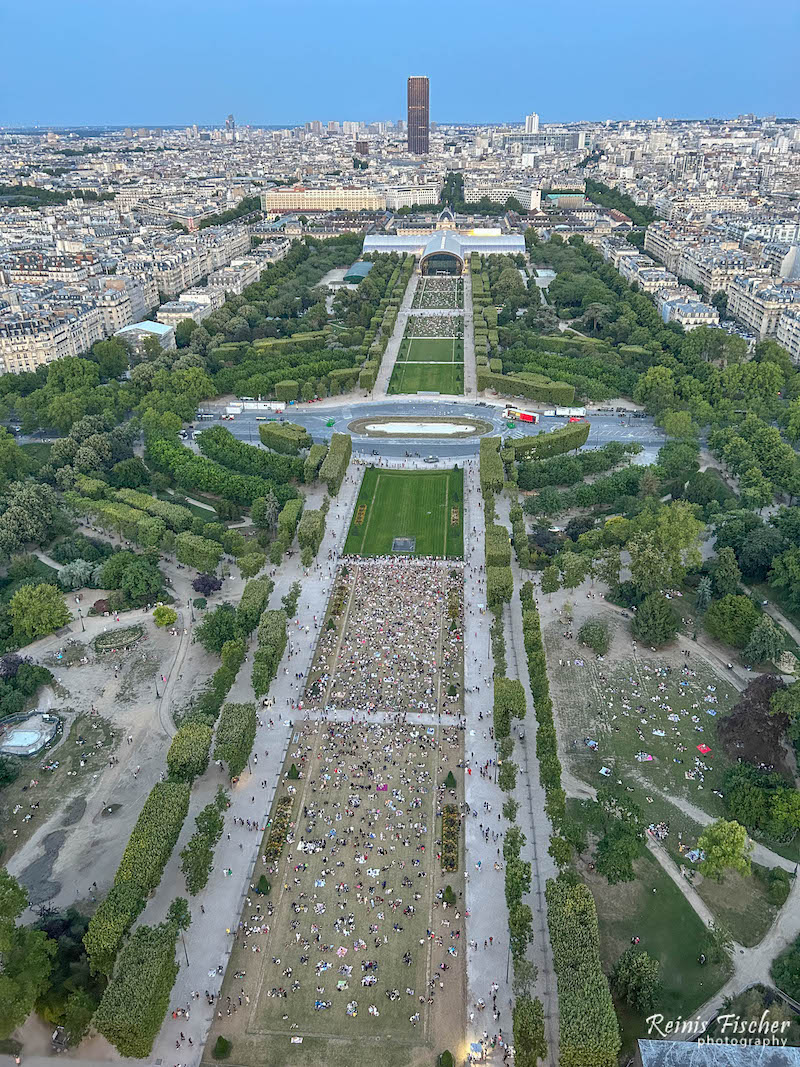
pixel 206 584
pixel 636 979
pixel 703 597
pixel 787 702
pixel 594 633
pixel 218 627
pixel 26 957
pixel 187 757
pixel 757 491
pixel 616 852
pixel 725 573
pixel 36 610
pixel 732 620
pixel 251 563
pixel 130 474
pixel 264 511
pixel 785 575
pixel 164 616
pixel 655 622
pixel 551 580
pixel 573 569
pixel 766 642
pixel 528 1026
pixel 726 847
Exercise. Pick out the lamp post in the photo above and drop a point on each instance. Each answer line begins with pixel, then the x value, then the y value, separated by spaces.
pixel 80 616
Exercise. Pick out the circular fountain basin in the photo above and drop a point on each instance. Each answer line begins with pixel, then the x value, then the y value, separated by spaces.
pixel 433 426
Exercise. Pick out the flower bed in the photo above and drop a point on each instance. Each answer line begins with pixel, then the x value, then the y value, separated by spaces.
pixel 278 830
pixel 451 831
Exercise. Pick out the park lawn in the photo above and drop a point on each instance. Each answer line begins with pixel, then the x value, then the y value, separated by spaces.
pixel 57 786
pixel 408 504
pixel 740 904
pixel 40 572
pixel 607 712
pixel 427 378
pixel 653 909
pixel 261 1030
pixel 431 350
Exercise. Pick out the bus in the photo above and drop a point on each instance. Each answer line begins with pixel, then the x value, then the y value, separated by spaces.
pixel 204 415
pixel 512 414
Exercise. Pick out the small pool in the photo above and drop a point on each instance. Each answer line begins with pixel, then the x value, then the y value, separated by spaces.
pixel 23 738
pixel 433 426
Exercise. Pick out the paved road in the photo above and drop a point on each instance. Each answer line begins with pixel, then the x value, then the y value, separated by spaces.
pixel 314 417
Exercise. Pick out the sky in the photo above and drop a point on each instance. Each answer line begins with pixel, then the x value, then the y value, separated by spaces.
pixel 86 62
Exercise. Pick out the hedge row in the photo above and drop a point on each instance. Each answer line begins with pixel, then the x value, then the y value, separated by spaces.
pixel 198 855
pixel 532 386
pixel 542 445
pixel 491 466
pixel 278 830
pixel 218 444
pixel 174 515
pixel 546 742
pixel 288 518
pixel 451 833
pixel 271 646
pixel 588 1027
pixel 187 757
pixel 149 847
pixel 519 536
pixel 235 736
pixel 498 546
pixel 136 999
pixel 204 475
pixel 310 533
pixel 314 459
pixel 255 598
pixel 285 437
pixel 499 586
pixel 209 704
pixel 334 466
pixel 198 552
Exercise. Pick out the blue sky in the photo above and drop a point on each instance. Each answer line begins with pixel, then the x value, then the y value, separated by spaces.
pixel 80 62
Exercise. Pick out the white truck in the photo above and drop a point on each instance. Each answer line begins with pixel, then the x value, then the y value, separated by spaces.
pixel 573 412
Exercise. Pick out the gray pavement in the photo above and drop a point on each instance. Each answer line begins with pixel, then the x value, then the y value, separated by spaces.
pixel 216 909
pixel 393 347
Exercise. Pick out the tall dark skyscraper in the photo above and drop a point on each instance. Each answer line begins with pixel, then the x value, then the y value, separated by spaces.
pixel 418 115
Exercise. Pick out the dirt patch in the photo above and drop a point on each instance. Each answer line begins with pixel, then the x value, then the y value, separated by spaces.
pixel 751 734
pixel 74 811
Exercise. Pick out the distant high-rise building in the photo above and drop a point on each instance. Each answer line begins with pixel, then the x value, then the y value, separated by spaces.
pixel 333 127
pixel 418 115
pixel 532 123
pixel 230 123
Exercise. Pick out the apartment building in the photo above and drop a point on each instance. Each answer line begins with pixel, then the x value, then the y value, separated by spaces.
pixel 33 268
pixel 175 311
pixel 34 337
pixel 759 303
pixel 340 198
pixel 714 271
pixel 499 191
pixel 409 195
pixel 689 313
pixel 236 276
pixel 646 273
pixel 788 333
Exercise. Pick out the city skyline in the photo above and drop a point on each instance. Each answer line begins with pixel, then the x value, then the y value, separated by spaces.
pixel 205 78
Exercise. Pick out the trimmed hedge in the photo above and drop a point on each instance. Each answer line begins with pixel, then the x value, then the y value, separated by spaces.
pixel 588 1028
pixel 136 999
pixel 499 586
pixel 149 847
pixel 491 466
pixel 532 386
pixel 175 516
pixel 314 459
pixel 235 736
pixel 198 552
pixel 310 533
pixel 285 437
pixel 271 646
pixel 255 598
pixel 542 445
pixel 334 466
pixel 187 757
pixel 498 546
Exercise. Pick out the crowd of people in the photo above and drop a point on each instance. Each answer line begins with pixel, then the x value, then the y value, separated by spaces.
pixel 400 649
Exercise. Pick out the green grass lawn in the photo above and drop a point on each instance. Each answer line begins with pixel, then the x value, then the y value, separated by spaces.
pixel 409 504
pixel 431 350
pixel 427 378
pixel 653 909
pixel 201 513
